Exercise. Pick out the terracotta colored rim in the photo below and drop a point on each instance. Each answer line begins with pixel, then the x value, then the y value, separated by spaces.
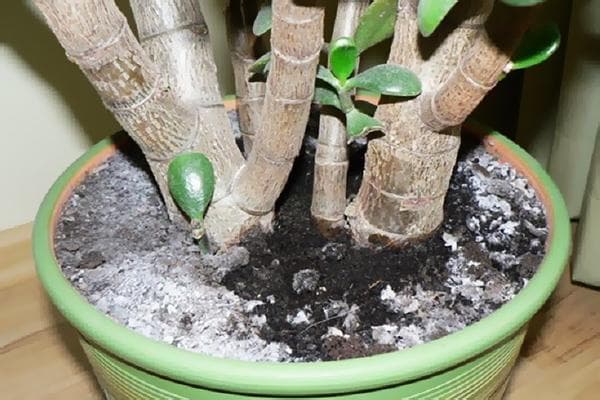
pixel 321 378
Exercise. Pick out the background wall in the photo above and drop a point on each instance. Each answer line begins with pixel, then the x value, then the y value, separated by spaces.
pixel 49 112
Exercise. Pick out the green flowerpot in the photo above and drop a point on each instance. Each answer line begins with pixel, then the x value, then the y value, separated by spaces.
pixel 473 363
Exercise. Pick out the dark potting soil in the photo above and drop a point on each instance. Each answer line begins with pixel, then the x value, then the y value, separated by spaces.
pixel 293 295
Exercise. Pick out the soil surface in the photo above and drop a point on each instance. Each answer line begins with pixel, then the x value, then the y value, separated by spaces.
pixel 293 295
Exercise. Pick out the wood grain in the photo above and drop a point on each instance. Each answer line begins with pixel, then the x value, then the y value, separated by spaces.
pixel 40 357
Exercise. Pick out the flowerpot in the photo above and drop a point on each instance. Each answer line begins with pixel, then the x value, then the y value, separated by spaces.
pixel 472 363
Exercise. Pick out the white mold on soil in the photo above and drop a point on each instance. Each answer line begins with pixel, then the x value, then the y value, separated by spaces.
pixel 161 286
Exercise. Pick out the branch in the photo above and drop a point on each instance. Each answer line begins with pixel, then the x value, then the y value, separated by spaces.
pixel 175 35
pixel 479 70
pixel 296 42
pixel 96 36
pixel 331 158
pixel 407 172
pixel 250 95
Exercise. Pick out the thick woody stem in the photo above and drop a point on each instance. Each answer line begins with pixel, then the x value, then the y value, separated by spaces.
pixel 407 172
pixel 175 36
pixel 96 36
pixel 331 158
pixel 479 70
pixel 295 45
pixel 250 94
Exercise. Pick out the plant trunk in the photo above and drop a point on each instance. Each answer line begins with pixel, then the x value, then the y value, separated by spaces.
pixel 479 70
pixel 96 36
pixel 295 45
pixel 250 95
pixel 331 158
pixel 407 172
pixel 175 36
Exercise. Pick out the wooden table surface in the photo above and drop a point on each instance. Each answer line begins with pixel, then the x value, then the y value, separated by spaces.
pixel 41 359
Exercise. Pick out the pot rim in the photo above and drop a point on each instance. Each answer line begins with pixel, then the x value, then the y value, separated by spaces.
pixel 311 378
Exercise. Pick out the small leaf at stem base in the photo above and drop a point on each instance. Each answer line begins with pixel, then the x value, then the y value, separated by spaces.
pixel 359 124
pixel 326 76
pixel 191 180
pixel 262 65
pixel 327 97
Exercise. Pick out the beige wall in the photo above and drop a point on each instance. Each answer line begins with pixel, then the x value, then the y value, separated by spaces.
pixel 48 111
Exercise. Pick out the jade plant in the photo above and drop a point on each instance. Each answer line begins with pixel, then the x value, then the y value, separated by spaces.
pixel 386 79
pixel 161 85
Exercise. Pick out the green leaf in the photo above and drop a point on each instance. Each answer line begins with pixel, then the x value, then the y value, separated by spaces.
pixel 376 24
pixel 191 180
pixel 522 3
pixel 262 65
pixel 388 79
pixel 327 97
pixel 343 57
pixel 430 14
pixel 537 45
pixel 326 76
pixel 359 124
pixel 262 23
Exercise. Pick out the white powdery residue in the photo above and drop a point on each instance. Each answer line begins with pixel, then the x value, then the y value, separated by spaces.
pixel 523 186
pixel 387 293
pixel 509 227
pixel 504 259
pixel 473 224
pixel 409 336
pixel 455 265
pixel 335 308
pixel 498 291
pixel 534 230
pixel 300 318
pixel 258 320
pixel 333 331
pixel 469 288
pixel 384 334
pixel 493 203
pixel 532 209
pixel 252 304
pixel 461 279
pixel 398 302
pixel 171 309
pixel 185 304
pixel 485 158
pixel 450 241
pixel 352 321
pixel 305 280
pixel 477 183
pixel 152 300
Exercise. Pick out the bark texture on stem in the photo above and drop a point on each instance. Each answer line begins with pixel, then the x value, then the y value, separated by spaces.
pixel 96 36
pixel 331 158
pixel 250 95
pixel 175 36
pixel 407 172
pixel 295 45
pixel 479 71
